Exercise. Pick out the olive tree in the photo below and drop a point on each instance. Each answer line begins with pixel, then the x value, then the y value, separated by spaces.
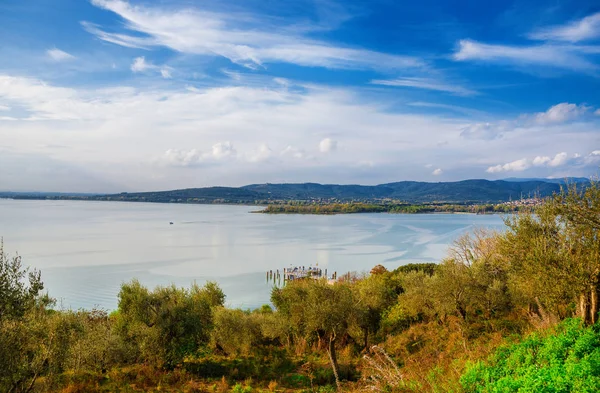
pixel 168 323
pixel 319 309
pixel 554 253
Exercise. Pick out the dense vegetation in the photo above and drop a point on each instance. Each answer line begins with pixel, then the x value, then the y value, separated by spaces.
pixel 503 312
pixel 359 207
pixel 466 191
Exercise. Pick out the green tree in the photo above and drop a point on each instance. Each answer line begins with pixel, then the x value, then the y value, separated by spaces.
pixel 168 323
pixel 31 343
pixel 234 331
pixel 554 254
pixel 318 309
pixel 20 287
pixel 373 296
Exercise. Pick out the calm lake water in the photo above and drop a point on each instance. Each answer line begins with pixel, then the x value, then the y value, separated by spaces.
pixel 87 249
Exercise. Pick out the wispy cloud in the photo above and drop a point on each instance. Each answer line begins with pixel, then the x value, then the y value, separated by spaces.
pixel 293 152
pixel 566 57
pixel 246 40
pixel 260 154
pixel 59 55
pixel 141 65
pixel 574 31
pixel 427 84
pixel 454 108
pixel 558 114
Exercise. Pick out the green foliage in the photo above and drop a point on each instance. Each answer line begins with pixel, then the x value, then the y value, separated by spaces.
pixel 434 321
pixel 381 207
pixel 554 254
pixel 20 288
pixel 235 331
pixel 428 268
pixel 568 360
pixel 169 323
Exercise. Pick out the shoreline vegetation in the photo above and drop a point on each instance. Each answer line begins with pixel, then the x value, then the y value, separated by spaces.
pixel 513 311
pixel 399 208
pixel 327 208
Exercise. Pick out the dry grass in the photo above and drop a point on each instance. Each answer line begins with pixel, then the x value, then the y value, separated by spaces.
pixel 380 372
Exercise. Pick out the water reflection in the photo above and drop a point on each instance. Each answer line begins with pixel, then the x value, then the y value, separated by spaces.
pixel 87 249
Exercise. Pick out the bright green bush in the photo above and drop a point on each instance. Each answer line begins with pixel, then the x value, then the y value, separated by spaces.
pixel 566 360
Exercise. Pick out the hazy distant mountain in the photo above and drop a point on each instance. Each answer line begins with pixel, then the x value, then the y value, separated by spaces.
pixel 411 191
pixel 563 180
pixel 466 191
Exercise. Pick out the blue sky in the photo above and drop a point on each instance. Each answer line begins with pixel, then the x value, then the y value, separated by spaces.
pixel 111 95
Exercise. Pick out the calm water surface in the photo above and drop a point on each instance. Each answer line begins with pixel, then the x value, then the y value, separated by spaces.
pixel 87 249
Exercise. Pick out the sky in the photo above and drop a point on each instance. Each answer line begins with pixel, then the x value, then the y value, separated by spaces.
pixel 139 95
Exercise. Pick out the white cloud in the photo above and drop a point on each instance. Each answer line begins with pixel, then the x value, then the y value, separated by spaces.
pixel 59 55
pixel 437 172
pixel 561 113
pixel 597 112
pixel 541 160
pixel 327 145
pixel 547 55
pixel 559 159
pixel 165 73
pixel 118 39
pixel 485 131
pixel 193 157
pixel 556 115
pixel 294 152
pixel 244 39
pixel 427 84
pixel 454 108
pixel 574 31
pixel 261 154
pixel 140 65
pixel 183 157
pixel 514 166
pixel 223 150
pixel 4 108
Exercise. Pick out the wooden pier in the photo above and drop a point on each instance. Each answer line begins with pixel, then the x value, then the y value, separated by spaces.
pixel 298 273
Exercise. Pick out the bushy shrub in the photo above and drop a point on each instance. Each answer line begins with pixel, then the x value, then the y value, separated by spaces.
pixel 566 361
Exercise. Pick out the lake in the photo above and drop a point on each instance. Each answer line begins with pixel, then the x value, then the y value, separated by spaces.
pixel 85 250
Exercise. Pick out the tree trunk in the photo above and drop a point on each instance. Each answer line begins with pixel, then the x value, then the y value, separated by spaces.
pixel 583 308
pixel 366 339
pixel 593 305
pixel 333 360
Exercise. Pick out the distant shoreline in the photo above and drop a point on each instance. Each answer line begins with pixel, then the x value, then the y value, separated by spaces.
pixel 322 209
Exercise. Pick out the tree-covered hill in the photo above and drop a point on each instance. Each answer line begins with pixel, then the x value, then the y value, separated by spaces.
pixel 475 191
pixel 467 191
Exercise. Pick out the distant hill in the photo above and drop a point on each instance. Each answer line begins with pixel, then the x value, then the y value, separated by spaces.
pixel 466 191
pixel 561 180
